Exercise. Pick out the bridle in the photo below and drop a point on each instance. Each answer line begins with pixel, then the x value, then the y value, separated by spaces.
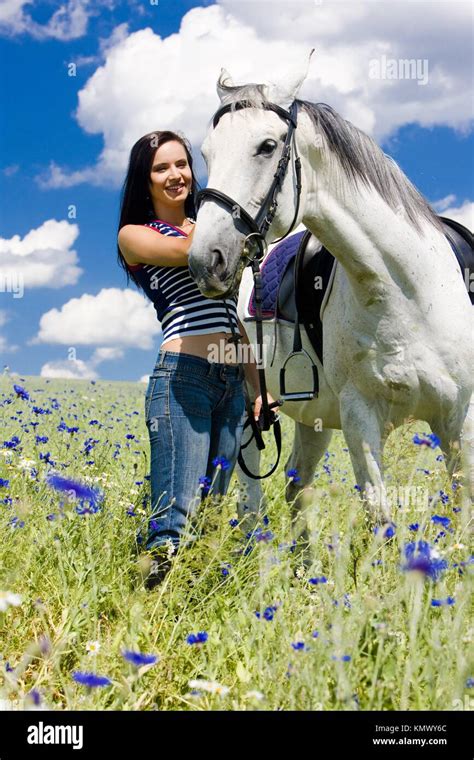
pixel 255 241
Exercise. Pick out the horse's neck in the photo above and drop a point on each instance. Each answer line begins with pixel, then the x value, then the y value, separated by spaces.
pixel 374 244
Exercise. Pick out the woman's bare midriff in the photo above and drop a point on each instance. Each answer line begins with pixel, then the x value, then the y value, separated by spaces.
pixel 205 346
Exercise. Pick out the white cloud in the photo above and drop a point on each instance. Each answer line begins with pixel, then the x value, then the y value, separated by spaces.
pixel 112 318
pixel 68 22
pixel 70 369
pixel 43 258
pixel 78 368
pixel 148 82
pixel 443 203
pixel 463 214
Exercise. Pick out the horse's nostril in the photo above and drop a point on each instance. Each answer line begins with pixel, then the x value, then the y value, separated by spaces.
pixel 218 264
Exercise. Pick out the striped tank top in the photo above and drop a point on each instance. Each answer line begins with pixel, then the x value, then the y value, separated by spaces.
pixel 180 306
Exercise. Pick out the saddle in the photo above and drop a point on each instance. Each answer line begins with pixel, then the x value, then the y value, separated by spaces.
pixel 290 296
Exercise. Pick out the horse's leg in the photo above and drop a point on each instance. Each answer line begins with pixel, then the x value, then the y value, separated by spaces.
pixel 362 426
pixel 456 434
pixel 308 447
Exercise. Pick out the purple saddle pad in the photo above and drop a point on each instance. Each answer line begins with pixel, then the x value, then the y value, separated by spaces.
pixel 272 271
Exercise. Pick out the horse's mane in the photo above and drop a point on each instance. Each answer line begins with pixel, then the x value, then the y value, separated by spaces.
pixel 357 155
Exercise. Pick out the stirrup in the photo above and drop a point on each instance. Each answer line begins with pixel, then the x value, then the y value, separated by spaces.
pixel 299 395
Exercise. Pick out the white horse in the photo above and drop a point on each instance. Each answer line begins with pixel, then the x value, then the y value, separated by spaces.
pixel 397 325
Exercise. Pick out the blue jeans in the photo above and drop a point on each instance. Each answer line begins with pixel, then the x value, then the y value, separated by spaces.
pixel 195 412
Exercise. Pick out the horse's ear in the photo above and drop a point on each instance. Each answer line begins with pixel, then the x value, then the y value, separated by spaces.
pixel 225 80
pixel 284 93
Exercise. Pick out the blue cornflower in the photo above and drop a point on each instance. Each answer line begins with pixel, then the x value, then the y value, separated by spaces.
pixel 414 526
pixel 268 613
pixel 12 444
pixel 41 439
pixel 388 530
pixel 263 536
pixel 470 683
pixel 265 520
pixel 197 638
pixel 293 474
pixel 344 658
pixel 449 601
pixel 430 440
pixel 138 659
pixel 317 581
pixel 298 646
pixel 90 679
pixel 35 697
pixel 20 392
pixel 221 462
pixel 82 492
pixel 4 483
pixel 444 521
pixel 315 634
pixel 233 522
pixel 205 484
pixel 420 556
pixel 225 568
pixel 444 497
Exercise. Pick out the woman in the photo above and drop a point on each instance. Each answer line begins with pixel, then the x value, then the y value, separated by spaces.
pixel 194 408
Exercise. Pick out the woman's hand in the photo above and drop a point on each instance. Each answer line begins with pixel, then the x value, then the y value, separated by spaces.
pixel 258 405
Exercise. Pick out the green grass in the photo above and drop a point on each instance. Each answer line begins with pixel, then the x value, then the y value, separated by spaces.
pixel 79 578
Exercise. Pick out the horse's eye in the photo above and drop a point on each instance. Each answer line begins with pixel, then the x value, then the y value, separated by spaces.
pixel 266 148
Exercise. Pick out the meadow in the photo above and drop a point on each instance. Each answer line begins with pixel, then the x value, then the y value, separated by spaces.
pixel 376 622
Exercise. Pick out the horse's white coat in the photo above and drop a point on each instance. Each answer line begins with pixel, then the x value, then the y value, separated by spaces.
pixel 398 322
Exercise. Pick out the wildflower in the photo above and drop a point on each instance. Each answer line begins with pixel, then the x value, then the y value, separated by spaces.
pixel 263 536
pixel 138 659
pixel 12 444
pixel 298 646
pixel 92 647
pixel 449 601
pixel 4 483
pixel 470 683
pixel 293 475
pixel 420 556
pixel 317 581
pixel 233 522
pixel 205 484
pixel 197 638
pixel 212 687
pixel 79 490
pixel 344 658
pixel 90 679
pixel 388 531
pixel 414 526
pixel 9 599
pixel 253 694
pixel 35 697
pixel 444 521
pixel 20 392
pixel 225 568
pixel 268 613
pixel 221 462
pixel 300 572
pixel 315 634
pixel 430 440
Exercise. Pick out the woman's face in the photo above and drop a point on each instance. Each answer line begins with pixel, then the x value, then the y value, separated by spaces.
pixel 170 177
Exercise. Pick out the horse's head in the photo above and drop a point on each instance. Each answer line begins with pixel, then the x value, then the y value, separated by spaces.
pixel 242 150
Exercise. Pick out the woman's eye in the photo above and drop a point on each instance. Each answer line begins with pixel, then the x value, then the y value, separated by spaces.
pixel 266 148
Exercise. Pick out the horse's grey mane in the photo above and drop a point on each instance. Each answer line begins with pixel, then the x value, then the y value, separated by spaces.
pixel 358 156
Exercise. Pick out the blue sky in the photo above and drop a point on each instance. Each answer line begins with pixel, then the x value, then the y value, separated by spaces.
pixel 41 127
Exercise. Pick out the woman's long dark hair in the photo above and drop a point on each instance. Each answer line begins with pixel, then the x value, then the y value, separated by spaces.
pixel 136 206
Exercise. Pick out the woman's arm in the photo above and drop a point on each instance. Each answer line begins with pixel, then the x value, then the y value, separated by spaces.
pixel 144 245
